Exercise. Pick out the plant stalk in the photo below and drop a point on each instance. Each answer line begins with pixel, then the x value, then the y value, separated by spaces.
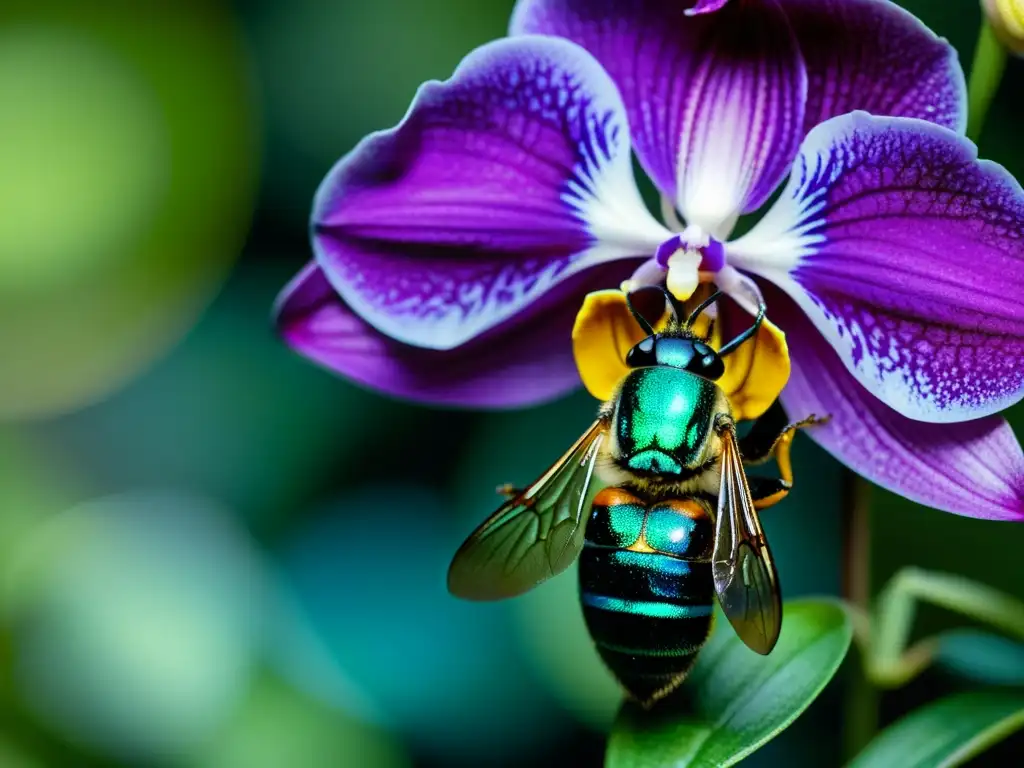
pixel 860 711
pixel 986 74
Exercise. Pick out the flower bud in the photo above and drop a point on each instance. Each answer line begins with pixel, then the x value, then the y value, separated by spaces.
pixel 1007 20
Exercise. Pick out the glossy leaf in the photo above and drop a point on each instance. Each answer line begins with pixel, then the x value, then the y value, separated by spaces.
pixel 947 732
pixel 981 656
pixel 736 700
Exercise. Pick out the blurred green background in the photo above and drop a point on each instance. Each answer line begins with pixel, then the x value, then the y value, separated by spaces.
pixel 209 556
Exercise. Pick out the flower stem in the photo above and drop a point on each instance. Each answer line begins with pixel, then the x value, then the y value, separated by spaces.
pixel 856 521
pixel 986 73
pixel 860 715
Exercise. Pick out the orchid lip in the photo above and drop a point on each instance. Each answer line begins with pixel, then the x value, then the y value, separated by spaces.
pixel 693 239
pixel 666 249
pixel 682 262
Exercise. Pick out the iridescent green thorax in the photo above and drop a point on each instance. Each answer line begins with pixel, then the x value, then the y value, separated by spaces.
pixel 662 419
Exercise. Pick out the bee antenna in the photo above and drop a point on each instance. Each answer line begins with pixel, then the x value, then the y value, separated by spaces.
pixel 702 306
pixel 640 319
pixel 677 306
pixel 678 311
pixel 733 345
pixel 711 330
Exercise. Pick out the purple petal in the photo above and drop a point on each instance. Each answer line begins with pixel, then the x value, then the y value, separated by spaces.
pixel 716 101
pixel 874 56
pixel 706 6
pixel 908 254
pixel 512 366
pixel 498 184
pixel 974 469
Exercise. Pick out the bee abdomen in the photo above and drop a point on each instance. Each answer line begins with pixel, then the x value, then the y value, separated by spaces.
pixel 648 610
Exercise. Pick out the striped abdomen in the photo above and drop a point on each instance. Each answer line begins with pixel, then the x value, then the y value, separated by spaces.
pixel 646 588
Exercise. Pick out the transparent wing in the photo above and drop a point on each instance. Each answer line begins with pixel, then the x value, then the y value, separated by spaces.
pixel 745 578
pixel 532 536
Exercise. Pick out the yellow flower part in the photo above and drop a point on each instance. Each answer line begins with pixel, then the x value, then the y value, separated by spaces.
pixel 605 331
pixel 756 372
pixel 1007 19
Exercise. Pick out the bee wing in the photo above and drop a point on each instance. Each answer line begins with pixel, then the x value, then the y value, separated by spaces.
pixel 745 578
pixel 534 535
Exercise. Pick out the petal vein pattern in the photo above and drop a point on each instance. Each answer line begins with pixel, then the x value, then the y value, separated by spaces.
pixel 715 101
pixel 874 56
pixel 744 118
pixel 974 469
pixel 529 363
pixel 908 254
pixel 499 184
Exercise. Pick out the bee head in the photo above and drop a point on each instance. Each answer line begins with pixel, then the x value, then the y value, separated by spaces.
pixel 689 354
pixel 679 347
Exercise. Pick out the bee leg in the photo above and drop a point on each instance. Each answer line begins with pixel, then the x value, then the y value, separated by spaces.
pixel 768 491
pixel 772 437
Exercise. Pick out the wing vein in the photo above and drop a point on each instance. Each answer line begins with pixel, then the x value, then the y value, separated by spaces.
pixel 746 582
pixel 533 536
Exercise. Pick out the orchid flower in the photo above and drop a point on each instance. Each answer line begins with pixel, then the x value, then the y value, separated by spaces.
pixel 453 252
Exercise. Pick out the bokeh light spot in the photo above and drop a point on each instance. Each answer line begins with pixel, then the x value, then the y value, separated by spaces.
pixel 336 71
pixel 278 726
pixel 370 576
pixel 135 438
pixel 84 167
pixel 553 631
pixel 12 756
pixel 136 618
pixel 129 147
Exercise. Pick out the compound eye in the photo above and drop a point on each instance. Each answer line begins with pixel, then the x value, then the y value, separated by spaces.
pixel 643 354
pixel 708 364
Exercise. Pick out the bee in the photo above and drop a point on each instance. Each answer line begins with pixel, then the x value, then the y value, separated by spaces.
pixel 674 525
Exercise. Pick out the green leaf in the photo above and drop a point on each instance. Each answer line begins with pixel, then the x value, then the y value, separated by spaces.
pixel 981 656
pixel 735 700
pixel 947 732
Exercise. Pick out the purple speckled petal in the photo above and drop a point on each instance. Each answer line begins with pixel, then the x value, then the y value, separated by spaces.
pixel 522 363
pixel 874 56
pixel 908 254
pixel 715 101
pixel 974 469
pixel 499 184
